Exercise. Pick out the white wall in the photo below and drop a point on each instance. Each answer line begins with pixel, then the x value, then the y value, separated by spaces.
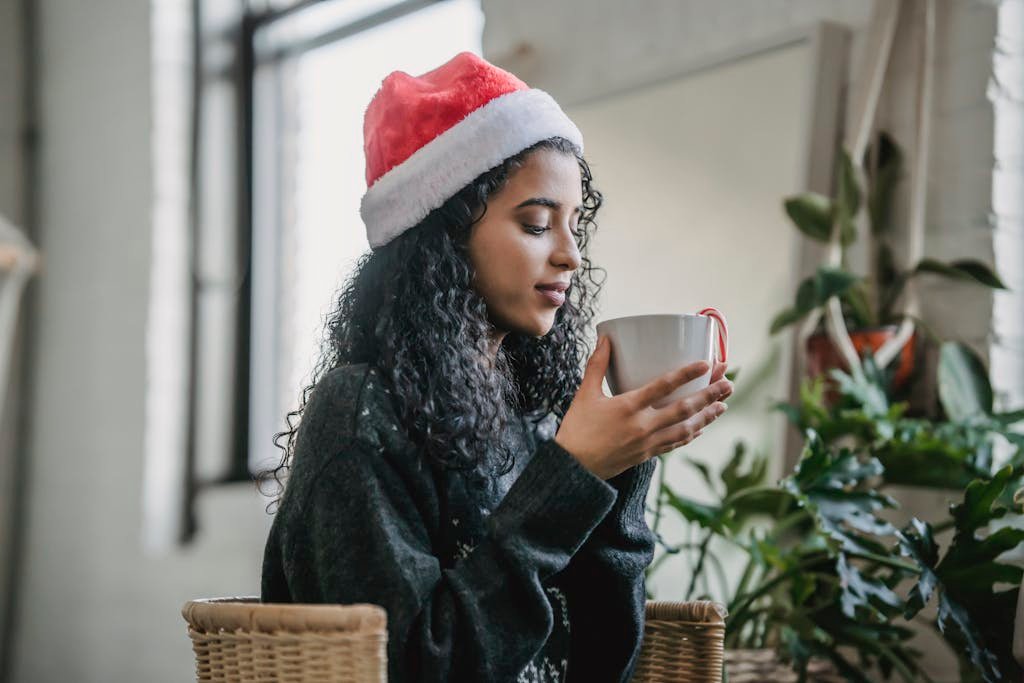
pixel 92 607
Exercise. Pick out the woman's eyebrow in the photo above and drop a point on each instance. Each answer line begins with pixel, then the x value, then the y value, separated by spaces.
pixel 546 201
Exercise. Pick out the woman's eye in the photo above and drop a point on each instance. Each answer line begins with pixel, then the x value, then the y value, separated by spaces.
pixel 535 229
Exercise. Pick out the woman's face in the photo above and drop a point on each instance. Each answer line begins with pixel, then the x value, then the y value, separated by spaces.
pixel 525 240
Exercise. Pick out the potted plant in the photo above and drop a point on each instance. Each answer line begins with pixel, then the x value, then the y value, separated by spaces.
pixel 828 579
pixel 869 301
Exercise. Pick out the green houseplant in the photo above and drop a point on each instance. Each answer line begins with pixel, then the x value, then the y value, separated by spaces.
pixel 827 576
pixel 869 301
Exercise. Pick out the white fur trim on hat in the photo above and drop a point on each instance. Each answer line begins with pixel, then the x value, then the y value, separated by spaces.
pixel 508 124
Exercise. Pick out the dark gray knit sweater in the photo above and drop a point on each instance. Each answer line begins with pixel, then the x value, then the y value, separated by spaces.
pixel 535 576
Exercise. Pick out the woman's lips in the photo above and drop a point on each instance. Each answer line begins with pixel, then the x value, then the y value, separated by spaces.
pixel 552 295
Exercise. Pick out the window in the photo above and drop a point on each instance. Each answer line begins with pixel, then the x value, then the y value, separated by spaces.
pixel 309 175
pixel 249 259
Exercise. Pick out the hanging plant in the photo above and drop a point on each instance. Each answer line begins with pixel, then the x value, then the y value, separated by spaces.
pixel 868 299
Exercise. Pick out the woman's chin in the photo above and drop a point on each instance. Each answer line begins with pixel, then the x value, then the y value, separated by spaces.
pixel 536 325
pixel 537 328
pixel 544 325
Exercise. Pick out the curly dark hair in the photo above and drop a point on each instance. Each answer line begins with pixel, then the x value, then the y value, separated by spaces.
pixel 408 309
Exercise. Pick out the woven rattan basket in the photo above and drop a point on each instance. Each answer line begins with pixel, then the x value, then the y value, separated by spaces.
pixel 240 639
pixel 683 643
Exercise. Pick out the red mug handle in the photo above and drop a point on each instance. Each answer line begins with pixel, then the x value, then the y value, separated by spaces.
pixel 723 331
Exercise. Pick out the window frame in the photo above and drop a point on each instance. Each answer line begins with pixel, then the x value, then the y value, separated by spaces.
pixel 238 55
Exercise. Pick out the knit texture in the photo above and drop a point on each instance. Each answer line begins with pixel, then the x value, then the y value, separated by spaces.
pixel 534 576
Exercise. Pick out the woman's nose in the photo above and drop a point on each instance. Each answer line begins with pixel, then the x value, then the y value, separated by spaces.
pixel 568 253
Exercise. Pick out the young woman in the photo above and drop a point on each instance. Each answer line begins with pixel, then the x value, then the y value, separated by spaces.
pixel 451 464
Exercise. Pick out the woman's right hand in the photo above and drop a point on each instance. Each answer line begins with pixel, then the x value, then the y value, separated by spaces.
pixel 608 435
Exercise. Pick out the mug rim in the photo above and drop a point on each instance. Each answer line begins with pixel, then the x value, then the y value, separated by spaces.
pixel 652 315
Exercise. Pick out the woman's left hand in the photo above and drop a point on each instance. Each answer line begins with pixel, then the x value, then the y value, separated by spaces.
pixel 716 374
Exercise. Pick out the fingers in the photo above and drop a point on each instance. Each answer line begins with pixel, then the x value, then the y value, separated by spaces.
pixel 597 366
pixel 685 408
pixel 684 432
pixel 666 384
pixel 719 371
pixel 677 444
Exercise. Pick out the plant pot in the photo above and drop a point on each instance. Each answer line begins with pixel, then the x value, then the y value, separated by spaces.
pixel 822 356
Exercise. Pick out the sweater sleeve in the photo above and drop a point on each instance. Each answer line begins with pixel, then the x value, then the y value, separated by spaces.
pixel 481 620
pixel 605 585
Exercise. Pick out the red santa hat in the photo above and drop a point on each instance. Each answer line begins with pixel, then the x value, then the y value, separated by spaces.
pixel 426 137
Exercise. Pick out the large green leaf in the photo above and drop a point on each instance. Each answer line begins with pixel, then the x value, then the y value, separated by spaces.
pixel 865 593
pixel 916 542
pixel 964 389
pixel 826 483
pixel 703 470
pixel 984 659
pixel 820 469
pixel 976 509
pixel 847 230
pixel 755 472
pixel 785 319
pixel 744 495
pixel 812 214
pixel 922 459
pixel 965 269
pixel 829 282
pixel 807 294
pixel 848 200
pixel 868 392
pixel 814 292
pixel 970 566
pixel 707 516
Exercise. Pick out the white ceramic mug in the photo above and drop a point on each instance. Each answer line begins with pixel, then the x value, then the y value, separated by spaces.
pixel 644 347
